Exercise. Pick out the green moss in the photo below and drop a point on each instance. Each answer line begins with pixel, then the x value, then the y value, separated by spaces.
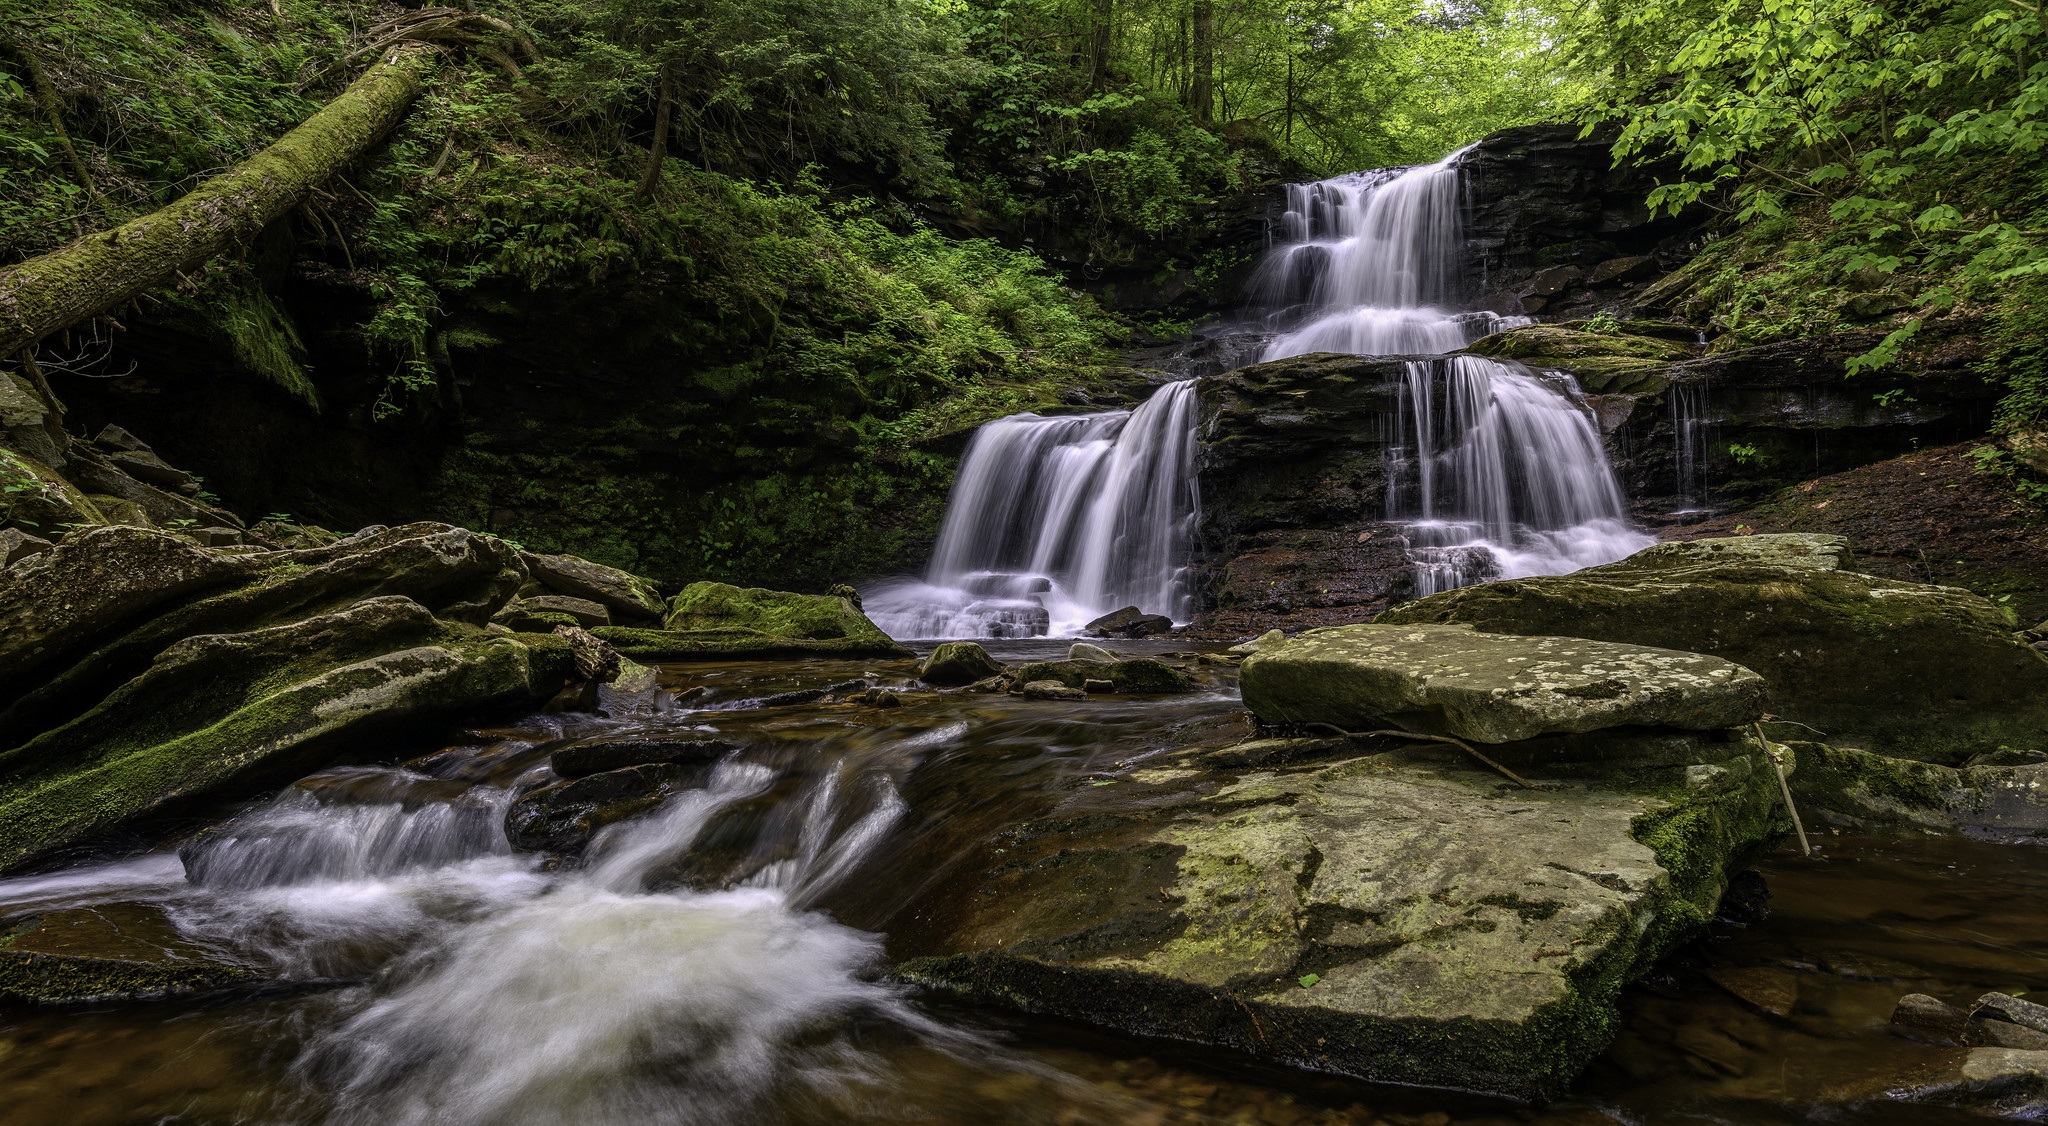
pixel 774 613
pixel 716 644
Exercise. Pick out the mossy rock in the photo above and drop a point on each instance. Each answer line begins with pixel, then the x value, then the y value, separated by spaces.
pixel 1406 917
pixel 1923 672
pixel 117 951
pixel 957 663
pixel 739 644
pixel 1859 790
pixel 1603 363
pixel 1137 676
pixel 36 498
pixel 224 714
pixel 773 613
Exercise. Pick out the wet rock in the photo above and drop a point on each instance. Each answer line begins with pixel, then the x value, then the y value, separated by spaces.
pixel 879 698
pixel 994 684
pixel 2005 1066
pixel 1082 651
pixel 1488 687
pixel 226 711
pixel 625 595
pixel 1629 268
pixel 1098 686
pixel 1603 363
pixel 595 661
pixel 16 544
pixel 1783 549
pixel 1130 622
pixel 1929 1019
pixel 1747 901
pixel 1923 672
pixel 584 612
pixel 958 662
pixel 2012 1010
pixel 1404 917
pixel 1859 789
pixel 563 817
pixel 773 613
pixel 1763 988
pixel 121 951
pixel 1266 640
pixel 1985 1033
pixel 599 755
pixel 1135 676
pixel 1050 690
pixel 812 695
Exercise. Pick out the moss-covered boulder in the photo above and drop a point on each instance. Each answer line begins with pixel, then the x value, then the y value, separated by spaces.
pixel 1859 790
pixel 116 951
pixel 220 712
pixel 1407 917
pixel 719 620
pixel 957 663
pixel 1924 672
pixel 1135 676
pixel 628 596
pixel 1489 688
pixel 1603 363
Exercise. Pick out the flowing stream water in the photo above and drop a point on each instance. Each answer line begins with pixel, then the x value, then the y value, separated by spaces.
pixel 719 959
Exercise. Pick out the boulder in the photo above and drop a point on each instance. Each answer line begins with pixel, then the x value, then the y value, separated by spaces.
pixel 1136 676
pixel 231 712
pixel 1082 651
pixel 1050 690
pixel 773 613
pixel 628 596
pixel 1923 672
pixel 958 662
pixel 1129 622
pixel 1490 688
pixel 1856 789
pixel 1918 1016
pixel 596 756
pixel 16 544
pixel 111 952
pixel 579 611
pixel 1405 918
pixel 563 817
pixel 2012 1010
pixel 1266 640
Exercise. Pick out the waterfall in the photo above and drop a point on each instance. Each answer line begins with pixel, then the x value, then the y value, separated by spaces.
pixel 1689 439
pixel 1054 522
pixel 1500 471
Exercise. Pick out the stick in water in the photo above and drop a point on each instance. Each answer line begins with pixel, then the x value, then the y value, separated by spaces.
pixel 1784 788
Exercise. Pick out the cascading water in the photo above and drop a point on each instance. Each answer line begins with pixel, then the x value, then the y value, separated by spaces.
pixel 1056 521
pixel 1501 471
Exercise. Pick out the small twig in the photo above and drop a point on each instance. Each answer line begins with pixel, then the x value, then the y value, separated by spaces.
pixel 1420 737
pixel 1249 1013
pixel 1784 788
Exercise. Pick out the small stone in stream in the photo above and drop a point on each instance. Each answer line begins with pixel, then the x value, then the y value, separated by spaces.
pixel 1137 675
pixel 565 816
pixel 1129 622
pixel 988 685
pixel 635 677
pixel 1993 1033
pixel 1747 900
pixel 881 698
pixel 1082 651
pixel 1929 1020
pixel 2005 1065
pixel 1265 640
pixel 581 759
pixel 2006 1007
pixel 811 695
pixel 115 951
pixel 1764 988
pixel 958 662
pixel 17 544
pixel 1098 686
pixel 1051 690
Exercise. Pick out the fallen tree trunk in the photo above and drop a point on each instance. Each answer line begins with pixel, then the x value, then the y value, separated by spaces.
pixel 104 269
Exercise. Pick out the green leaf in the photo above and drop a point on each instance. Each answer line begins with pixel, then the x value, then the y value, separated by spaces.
pixel 1310 979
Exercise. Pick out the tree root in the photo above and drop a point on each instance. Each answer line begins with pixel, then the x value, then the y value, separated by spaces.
pixel 1417 736
pixel 441 27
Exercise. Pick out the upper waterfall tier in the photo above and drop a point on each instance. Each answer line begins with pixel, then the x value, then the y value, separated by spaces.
pixel 1370 263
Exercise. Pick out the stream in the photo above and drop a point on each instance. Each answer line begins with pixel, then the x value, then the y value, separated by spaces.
pixel 720 959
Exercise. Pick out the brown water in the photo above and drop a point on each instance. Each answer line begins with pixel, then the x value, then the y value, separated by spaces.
pixel 424 977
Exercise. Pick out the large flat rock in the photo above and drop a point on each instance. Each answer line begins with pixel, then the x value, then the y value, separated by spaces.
pixel 1405 917
pixel 115 951
pixel 1926 672
pixel 1491 688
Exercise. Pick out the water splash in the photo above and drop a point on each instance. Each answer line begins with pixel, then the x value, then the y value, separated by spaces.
pixel 1056 521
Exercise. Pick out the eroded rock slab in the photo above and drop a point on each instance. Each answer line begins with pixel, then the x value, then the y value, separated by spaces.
pixel 1924 672
pixel 1490 688
pixel 1402 917
pixel 1862 790
pixel 111 952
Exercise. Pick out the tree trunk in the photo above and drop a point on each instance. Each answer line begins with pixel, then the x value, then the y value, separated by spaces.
pixel 103 269
pixel 1098 47
pixel 1202 91
pixel 664 104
